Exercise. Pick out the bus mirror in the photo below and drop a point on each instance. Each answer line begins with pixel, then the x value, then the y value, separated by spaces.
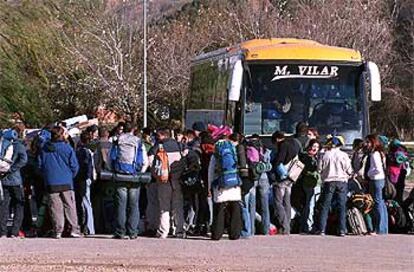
pixel 236 81
pixel 374 81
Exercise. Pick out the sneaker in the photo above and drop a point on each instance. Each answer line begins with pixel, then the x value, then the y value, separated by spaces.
pixel 120 237
pixel 180 235
pixel 321 233
pixel 159 236
pixel 204 230
pixel 342 234
pixel 133 237
pixel 74 235
pixel 57 235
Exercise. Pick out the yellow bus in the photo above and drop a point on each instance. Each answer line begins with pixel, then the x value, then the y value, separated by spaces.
pixel 266 85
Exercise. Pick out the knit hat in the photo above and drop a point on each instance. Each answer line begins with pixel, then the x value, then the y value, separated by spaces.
pixel 199 126
pixel 335 140
pixel 384 140
pixel 217 132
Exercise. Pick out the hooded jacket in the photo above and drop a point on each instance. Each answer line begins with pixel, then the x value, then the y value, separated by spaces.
pixel 19 160
pixel 59 166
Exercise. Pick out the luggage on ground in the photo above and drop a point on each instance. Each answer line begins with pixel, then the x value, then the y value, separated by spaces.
pixel 356 222
pixel 409 214
pixel 397 222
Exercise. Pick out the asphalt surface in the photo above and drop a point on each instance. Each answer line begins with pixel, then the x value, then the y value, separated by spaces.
pixel 272 253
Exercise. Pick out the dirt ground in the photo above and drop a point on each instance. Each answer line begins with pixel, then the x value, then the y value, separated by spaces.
pixel 274 253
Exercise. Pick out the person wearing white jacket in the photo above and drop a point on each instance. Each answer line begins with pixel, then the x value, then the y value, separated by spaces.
pixel 225 201
pixel 376 174
pixel 335 169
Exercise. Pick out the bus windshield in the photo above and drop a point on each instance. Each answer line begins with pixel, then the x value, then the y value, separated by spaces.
pixel 327 97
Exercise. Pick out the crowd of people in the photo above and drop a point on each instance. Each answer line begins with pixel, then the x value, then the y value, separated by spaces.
pixel 205 181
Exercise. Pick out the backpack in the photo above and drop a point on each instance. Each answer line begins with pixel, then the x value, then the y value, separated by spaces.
pixel 356 222
pixel 294 169
pixel 255 155
pixel 227 166
pixel 161 167
pixel 43 137
pixel 6 149
pixel 254 152
pixel 358 199
pixel 409 215
pixel 362 202
pixel 190 178
pixel 127 155
pixel 397 221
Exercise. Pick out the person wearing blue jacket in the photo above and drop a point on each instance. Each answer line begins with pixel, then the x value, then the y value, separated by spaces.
pixel 59 166
pixel 13 191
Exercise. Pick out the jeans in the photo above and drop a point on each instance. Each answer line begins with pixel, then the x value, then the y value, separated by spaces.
pixel 85 211
pixel 262 198
pixel 249 213
pixel 282 192
pixel 126 200
pixel 340 190
pixel 210 209
pixel 304 220
pixel 380 210
pixel 312 205
pixel 13 194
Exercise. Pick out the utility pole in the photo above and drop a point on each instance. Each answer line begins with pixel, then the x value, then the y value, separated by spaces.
pixel 145 90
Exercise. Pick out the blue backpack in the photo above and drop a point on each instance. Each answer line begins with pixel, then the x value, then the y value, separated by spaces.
pixel 226 161
pixel 44 136
pixel 127 155
pixel 7 137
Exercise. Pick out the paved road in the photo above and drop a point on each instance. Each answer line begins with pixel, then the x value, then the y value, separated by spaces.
pixel 276 253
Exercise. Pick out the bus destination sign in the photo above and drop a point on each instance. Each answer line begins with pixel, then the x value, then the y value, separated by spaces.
pixel 305 71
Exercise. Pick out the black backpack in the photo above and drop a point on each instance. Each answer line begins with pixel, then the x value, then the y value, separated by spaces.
pixel 409 213
pixel 397 222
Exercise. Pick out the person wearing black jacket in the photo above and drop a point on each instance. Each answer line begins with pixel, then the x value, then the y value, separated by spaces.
pixel 288 149
pixel 83 181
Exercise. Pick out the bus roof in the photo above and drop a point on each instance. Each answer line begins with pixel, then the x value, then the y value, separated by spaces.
pixel 297 49
pixel 285 49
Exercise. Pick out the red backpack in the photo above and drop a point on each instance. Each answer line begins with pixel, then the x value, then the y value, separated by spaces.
pixel 161 169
